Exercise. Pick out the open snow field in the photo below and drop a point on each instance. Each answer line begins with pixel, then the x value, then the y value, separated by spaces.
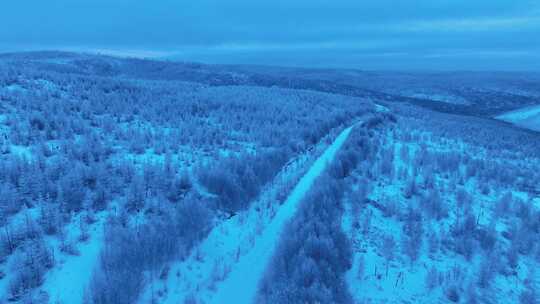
pixel 528 117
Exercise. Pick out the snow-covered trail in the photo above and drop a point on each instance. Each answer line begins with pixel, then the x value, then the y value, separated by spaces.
pixel 66 282
pixel 241 284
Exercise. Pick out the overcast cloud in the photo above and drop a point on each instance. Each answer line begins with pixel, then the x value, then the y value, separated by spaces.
pixel 383 34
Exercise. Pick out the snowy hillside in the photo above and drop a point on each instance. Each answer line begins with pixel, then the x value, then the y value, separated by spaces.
pixel 140 181
pixel 439 217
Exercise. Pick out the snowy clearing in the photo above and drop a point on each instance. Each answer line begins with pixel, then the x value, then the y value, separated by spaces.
pixel 528 117
pixel 438 96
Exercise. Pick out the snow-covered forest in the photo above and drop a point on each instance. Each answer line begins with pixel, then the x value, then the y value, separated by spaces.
pixel 140 181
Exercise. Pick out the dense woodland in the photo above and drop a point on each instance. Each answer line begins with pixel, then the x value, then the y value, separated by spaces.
pixel 155 155
pixel 314 253
pixel 149 157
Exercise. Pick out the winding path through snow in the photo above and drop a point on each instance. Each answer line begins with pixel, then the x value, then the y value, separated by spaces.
pixel 241 284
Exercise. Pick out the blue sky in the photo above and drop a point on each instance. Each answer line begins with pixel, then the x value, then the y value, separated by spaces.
pixel 383 34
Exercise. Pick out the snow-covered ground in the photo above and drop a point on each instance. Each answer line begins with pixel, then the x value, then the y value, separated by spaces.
pixel 94 132
pixel 67 281
pixel 227 266
pixel 437 96
pixel 381 273
pixel 240 286
pixel 528 117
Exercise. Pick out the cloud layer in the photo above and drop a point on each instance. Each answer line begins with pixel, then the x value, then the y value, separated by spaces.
pixel 420 34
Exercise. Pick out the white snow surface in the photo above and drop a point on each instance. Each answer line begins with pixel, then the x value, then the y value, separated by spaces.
pixel 241 284
pixel 528 117
pixel 66 282
pixel 228 265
